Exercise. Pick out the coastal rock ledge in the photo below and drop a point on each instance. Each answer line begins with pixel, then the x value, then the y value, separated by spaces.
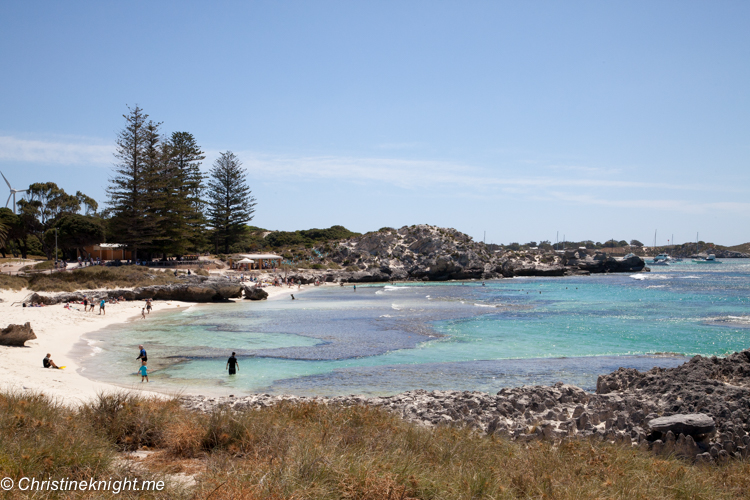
pixel 699 411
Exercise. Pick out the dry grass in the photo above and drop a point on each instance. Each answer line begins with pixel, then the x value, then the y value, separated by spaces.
pixel 98 277
pixel 12 282
pixel 312 451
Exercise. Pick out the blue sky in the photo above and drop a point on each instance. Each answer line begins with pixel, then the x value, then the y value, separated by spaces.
pixel 521 119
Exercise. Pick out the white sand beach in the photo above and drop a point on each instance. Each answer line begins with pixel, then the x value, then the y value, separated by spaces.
pixel 58 330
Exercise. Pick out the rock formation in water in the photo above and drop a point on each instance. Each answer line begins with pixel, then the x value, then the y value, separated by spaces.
pixel 254 293
pixel 16 335
pixel 699 410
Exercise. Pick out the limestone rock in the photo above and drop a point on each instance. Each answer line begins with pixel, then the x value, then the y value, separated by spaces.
pixel 16 335
pixel 255 293
pixel 695 424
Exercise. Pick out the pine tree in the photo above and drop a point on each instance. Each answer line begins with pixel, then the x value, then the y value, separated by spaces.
pixel 231 203
pixel 186 157
pixel 159 186
pixel 128 189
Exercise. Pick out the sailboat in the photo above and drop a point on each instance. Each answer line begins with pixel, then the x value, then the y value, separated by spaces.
pixel 661 259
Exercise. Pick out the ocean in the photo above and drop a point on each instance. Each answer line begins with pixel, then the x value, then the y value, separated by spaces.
pixel 384 339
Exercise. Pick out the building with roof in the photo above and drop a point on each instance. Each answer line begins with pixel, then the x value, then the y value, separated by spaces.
pixel 255 261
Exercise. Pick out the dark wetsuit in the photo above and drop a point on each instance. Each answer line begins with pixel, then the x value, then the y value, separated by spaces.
pixel 46 363
pixel 142 356
pixel 232 365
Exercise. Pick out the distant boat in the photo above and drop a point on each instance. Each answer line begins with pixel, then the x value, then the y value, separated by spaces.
pixel 660 260
pixel 711 259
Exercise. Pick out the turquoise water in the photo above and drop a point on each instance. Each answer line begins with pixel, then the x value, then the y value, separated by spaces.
pixel 385 339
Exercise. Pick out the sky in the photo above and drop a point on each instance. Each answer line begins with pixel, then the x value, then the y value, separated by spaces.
pixel 518 120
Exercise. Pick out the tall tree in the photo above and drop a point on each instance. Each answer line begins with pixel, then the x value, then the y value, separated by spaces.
pixel 128 189
pixel 47 203
pixel 76 232
pixel 186 156
pixel 87 203
pixel 230 201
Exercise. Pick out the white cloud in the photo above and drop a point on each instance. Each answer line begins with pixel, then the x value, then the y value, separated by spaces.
pixel 571 184
pixel 54 152
pixel 683 206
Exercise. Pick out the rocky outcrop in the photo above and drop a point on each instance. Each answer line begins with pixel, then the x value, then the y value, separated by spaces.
pixel 254 293
pixel 194 289
pixel 431 253
pixel 721 254
pixel 696 425
pixel 692 411
pixel 599 262
pixel 16 335
pixel 419 252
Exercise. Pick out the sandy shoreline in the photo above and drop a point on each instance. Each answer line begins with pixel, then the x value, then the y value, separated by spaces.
pixel 58 331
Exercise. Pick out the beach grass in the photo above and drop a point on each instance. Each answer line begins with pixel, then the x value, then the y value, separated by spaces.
pixel 8 282
pixel 318 451
pixel 98 277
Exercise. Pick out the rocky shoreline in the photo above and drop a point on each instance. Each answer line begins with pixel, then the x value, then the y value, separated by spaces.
pixel 699 411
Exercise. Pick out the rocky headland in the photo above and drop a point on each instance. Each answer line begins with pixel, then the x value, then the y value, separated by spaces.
pixel 429 253
pixel 699 410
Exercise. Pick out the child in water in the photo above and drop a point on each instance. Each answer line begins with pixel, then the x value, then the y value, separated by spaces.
pixel 144 372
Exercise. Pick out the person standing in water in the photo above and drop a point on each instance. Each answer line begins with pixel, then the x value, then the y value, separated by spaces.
pixel 232 365
pixel 142 355
pixel 144 372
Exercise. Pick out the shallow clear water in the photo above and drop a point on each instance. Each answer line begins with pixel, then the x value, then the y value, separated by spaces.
pixel 386 339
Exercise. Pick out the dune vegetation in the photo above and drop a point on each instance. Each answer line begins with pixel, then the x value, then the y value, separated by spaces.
pixel 89 278
pixel 325 452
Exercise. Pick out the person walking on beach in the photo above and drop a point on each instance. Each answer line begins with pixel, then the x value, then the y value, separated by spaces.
pixel 148 306
pixel 85 304
pixel 102 303
pixel 232 365
pixel 142 355
pixel 144 372
pixel 143 313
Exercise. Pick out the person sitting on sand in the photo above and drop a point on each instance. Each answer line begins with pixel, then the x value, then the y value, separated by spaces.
pixel 142 355
pixel 48 363
pixel 232 364
pixel 144 372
